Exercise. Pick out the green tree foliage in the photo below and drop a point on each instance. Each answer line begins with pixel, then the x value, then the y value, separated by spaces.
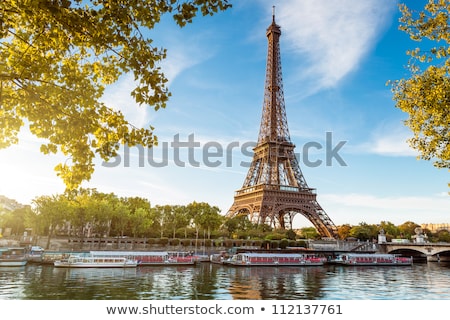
pixel 120 217
pixel 89 213
pixel 310 233
pixel 443 236
pixel 291 235
pixel 344 231
pixel 57 57
pixel 238 223
pixel 180 219
pixel 51 212
pixel 390 229
pixel 162 216
pixel 102 209
pixel 15 220
pixel 204 216
pixel 364 231
pixel 424 96
pixel 407 229
pixel 83 212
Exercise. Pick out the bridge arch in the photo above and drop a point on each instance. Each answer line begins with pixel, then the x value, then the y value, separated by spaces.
pixel 283 216
pixel 430 251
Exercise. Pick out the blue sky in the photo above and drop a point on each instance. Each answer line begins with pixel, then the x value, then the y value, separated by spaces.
pixel 336 56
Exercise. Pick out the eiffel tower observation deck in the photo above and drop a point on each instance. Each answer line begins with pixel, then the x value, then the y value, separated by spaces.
pixel 275 189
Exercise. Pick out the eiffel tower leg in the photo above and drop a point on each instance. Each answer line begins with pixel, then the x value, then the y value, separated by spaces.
pixel 281 216
pixel 321 221
pixel 289 217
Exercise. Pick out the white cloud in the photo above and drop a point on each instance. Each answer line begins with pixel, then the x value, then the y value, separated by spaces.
pixel 331 37
pixel 118 96
pixel 182 54
pixel 398 209
pixel 388 140
pixel 391 145
pixel 437 203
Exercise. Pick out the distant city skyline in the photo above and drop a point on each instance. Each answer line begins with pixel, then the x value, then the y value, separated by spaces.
pixel 336 59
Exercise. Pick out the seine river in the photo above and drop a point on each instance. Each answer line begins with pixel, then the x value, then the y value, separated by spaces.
pixel 424 281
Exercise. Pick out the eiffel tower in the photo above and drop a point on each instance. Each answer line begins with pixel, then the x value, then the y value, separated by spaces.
pixel 275 190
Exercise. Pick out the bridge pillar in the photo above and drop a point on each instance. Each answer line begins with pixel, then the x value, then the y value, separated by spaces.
pixel 382 248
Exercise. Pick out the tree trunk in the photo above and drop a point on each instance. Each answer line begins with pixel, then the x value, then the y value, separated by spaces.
pixel 50 233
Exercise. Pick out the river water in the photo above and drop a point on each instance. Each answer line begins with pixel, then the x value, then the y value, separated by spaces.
pixel 424 281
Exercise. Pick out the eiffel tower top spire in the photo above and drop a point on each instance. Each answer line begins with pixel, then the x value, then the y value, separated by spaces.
pixel 273 14
pixel 276 163
pixel 274 122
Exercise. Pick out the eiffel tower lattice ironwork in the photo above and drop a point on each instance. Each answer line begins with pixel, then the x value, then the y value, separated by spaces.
pixel 275 190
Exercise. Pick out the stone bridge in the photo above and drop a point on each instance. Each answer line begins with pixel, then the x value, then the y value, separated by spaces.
pixel 432 251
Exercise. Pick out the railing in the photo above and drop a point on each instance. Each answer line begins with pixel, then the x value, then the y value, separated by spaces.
pixel 339 245
pixel 274 187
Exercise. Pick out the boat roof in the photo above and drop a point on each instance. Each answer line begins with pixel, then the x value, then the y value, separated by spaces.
pixel 12 248
pixel 380 255
pixel 259 254
pixel 129 253
pixel 96 257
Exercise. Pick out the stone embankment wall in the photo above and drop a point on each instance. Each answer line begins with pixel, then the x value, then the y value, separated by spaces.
pixel 207 246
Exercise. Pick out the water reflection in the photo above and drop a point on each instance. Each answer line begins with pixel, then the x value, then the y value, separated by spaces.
pixel 419 281
pixel 209 281
pixel 274 283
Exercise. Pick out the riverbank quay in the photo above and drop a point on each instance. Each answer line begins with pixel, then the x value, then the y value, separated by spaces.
pixel 62 247
pixel 198 246
pixel 207 246
pixel 328 248
pixel 182 244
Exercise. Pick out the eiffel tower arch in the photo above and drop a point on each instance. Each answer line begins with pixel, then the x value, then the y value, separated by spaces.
pixel 275 189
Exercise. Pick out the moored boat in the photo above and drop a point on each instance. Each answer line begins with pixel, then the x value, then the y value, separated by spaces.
pixel 49 257
pixel 183 258
pixel 274 259
pixel 95 262
pixel 149 258
pixel 35 254
pixel 12 257
pixel 201 257
pixel 219 258
pixel 371 259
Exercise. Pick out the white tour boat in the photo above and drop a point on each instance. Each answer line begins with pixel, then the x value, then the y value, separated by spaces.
pixel 371 259
pixel 149 258
pixel 219 258
pixel 12 257
pixel 274 259
pixel 95 262
pixel 35 254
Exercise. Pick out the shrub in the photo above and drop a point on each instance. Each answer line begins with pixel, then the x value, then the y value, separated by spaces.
pixel 274 244
pixel 265 244
pixel 257 243
pixel 229 243
pixel 284 243
pixel 163 241
pixel 186 242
